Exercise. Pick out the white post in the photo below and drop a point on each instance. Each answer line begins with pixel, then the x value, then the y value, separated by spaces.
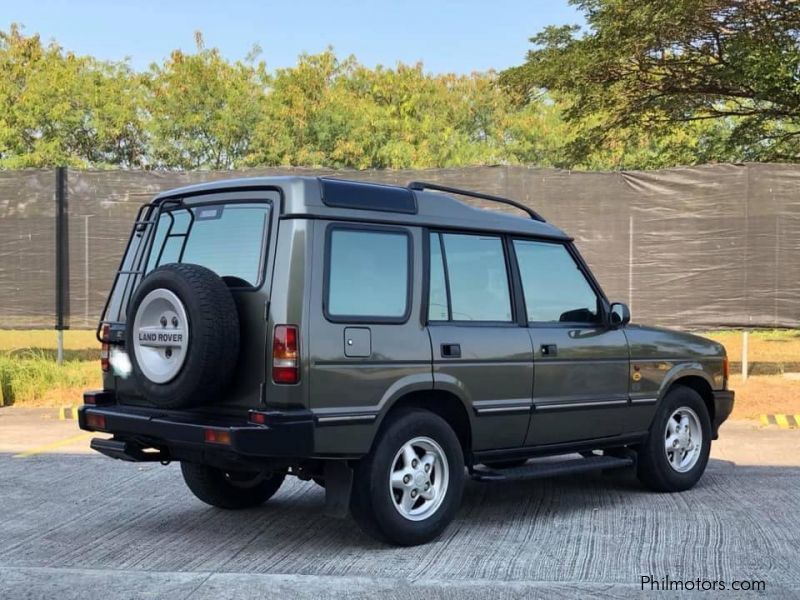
pixel 630 263
pixel 744 355
pixel 86 268
pixel 60 347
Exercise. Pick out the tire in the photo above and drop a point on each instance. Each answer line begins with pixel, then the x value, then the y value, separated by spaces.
pixel 198 368
pixel 375 507
pixel 230 489
pixel 676 471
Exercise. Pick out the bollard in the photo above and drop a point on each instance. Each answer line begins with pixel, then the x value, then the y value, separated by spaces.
pixel 745 335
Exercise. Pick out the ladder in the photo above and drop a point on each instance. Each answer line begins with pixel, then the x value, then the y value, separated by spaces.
pixel 147 218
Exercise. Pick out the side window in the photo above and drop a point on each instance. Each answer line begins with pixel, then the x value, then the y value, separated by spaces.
pixel 555 288
pixel 475 279
pixel 367 274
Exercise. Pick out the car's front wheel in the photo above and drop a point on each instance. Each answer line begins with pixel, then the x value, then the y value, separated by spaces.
pixel 231 489
pixel 675 454
pixel 408 489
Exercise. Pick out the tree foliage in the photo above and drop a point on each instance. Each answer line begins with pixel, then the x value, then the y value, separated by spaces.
pixel 645 85
pixel 720 75
pixel 203 109
pixel 58 108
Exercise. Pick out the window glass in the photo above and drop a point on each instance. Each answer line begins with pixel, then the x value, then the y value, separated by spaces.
pixel 437 302
pixel 368 273
pixel 229 239
pixel 476 269
pixel 555 288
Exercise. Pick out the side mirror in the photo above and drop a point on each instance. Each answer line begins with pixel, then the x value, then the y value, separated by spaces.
pixel 620 314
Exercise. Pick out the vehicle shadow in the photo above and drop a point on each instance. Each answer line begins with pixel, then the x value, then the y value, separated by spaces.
pixel 296 513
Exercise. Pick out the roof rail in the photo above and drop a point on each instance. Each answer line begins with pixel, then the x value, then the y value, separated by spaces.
pixel 422 185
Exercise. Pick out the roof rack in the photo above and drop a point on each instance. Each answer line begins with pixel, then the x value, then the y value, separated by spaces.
pixel 422 185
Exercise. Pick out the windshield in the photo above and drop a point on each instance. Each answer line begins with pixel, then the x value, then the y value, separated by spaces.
pixel 229 239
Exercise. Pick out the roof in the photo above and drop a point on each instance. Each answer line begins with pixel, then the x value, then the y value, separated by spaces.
pixel 312 197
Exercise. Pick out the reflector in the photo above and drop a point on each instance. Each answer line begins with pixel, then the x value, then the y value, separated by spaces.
pixel 218 436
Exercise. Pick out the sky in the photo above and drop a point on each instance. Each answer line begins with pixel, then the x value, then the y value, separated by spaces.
pixel 458 36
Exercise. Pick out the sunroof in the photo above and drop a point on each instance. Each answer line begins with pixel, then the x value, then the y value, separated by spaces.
pixel 367 196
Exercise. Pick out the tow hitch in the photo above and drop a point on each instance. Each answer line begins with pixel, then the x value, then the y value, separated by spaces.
pixel 125 450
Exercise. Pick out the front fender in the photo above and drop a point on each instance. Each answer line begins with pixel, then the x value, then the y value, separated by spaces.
pixel 680 371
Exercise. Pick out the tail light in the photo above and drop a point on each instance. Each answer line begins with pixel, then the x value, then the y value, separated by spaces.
pixel 104 349
pixel 725 368
pixel 285 355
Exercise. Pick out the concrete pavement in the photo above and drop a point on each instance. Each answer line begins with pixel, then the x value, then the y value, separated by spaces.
pixel 76 525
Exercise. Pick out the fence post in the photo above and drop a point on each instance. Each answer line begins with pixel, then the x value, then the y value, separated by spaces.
pixel 62 259
pixel 745 336
pixel 630 262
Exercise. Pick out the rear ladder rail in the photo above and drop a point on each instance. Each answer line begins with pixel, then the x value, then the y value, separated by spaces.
pixel 145 226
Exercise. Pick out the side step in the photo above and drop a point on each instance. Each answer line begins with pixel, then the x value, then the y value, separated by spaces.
pixel 542 470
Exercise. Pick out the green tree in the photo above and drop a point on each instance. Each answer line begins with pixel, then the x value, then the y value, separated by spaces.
pixel 62 109
pixel 717 75
pixel 339 113
pixel 203 109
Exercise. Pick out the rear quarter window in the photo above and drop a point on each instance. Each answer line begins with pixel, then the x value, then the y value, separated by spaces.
pixel 367 274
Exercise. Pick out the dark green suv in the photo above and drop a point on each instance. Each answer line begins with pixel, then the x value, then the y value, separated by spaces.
pixel 386 342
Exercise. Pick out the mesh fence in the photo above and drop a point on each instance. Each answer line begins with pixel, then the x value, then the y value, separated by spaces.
pixel 701 247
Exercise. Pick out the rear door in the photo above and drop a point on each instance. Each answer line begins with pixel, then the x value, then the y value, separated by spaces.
pixel 480 351
pixel 231 233
pixel 580 389
pixel 367 341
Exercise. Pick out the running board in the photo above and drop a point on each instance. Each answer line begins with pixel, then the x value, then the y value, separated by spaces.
pixel 542 470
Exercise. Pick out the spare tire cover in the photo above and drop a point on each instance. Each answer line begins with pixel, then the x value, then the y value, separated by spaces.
pixel 183 336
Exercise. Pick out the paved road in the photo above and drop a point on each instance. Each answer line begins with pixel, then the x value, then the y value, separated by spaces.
pixel 83 526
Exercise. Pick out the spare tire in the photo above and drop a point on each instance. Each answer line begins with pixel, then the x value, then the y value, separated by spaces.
pixel 183 336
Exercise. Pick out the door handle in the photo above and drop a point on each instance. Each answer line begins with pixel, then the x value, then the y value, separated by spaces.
pixel 451 350
pixel 549 350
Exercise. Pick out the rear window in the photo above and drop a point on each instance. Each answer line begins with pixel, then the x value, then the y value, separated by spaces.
pixel 229 239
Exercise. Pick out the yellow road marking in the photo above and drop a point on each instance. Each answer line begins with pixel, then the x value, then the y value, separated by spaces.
pixel 782 421
pixel 53 445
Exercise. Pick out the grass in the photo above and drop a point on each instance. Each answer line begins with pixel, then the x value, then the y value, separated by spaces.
pixel 29 375
pixel 766 345
pixel 26 339
pixel 36 380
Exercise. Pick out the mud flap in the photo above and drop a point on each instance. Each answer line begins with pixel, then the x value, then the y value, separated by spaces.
pixel 338 485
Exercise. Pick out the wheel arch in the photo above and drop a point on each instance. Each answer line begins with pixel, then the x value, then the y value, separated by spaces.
pixel 443 403
pixel 699 384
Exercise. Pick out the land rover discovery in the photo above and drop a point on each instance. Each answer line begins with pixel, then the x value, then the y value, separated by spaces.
pixel 387 343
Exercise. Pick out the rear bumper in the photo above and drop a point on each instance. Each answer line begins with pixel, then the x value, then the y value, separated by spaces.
pixel 723 406
pixel 184 435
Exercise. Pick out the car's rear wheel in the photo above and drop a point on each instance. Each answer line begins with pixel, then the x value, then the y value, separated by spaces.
pixel 675 454
pixel 231 489
pixel 408 488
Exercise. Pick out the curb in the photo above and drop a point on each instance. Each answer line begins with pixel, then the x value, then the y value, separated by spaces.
pixel 68 413
pixel 782 421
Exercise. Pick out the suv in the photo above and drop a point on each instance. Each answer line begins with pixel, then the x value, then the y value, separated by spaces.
pixel 386 342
